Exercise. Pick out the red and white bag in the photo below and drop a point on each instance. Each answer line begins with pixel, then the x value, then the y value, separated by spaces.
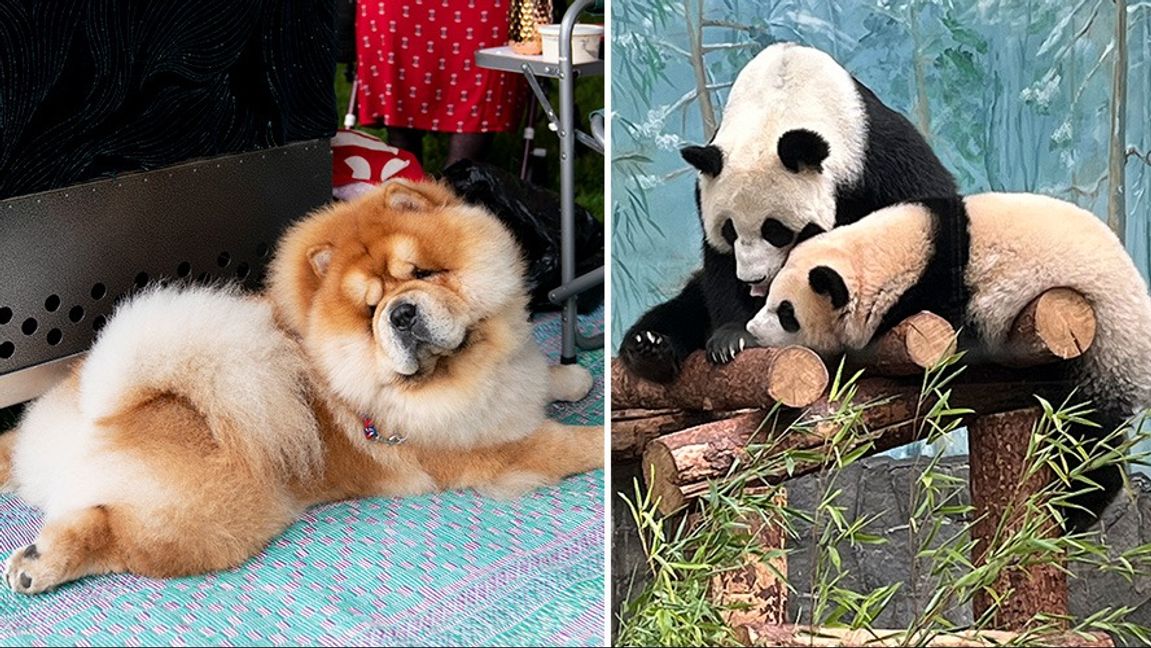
pixel 361 161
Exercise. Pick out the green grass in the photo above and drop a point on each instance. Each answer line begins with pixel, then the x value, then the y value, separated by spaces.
pixel 507 147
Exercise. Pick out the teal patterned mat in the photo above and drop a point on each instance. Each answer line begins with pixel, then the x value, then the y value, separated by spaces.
pixel 447 569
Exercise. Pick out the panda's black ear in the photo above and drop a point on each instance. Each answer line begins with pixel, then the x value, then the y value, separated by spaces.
pixel 825 281
pixel 708 159
pixel 801 148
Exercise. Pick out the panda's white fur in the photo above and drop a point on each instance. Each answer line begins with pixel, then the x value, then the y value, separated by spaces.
pixel 1020 246
pixel 837 289
pixel 786 87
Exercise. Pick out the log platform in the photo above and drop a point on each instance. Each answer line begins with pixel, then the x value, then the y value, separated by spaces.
pixel 692 432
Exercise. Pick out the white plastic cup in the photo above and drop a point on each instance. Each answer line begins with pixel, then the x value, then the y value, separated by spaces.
pixel 585 43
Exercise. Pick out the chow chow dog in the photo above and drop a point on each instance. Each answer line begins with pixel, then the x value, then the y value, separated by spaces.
pixel 391 355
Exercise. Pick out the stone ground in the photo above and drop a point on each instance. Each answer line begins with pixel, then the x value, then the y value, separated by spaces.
pixel 880 485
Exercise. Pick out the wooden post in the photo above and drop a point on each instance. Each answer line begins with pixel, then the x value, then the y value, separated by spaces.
pixel 754 590
pixel 769 634
pixel 678 466
pixel 997 445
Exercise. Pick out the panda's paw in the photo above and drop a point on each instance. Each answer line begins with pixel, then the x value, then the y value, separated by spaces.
pixel 650 355
pixel 727 342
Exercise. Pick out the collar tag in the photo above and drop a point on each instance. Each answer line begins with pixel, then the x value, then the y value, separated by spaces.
pixel 372 433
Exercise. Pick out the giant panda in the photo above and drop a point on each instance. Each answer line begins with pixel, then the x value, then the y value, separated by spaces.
pixel 803 147
pixel 977 262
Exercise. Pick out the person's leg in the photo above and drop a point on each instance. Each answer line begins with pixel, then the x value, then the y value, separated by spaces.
pixel 467 146
pixel 409 139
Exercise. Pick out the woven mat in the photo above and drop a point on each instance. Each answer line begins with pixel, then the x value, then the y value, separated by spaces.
pixel 446 569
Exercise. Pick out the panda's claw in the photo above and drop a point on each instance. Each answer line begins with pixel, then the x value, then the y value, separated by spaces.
pixel 650 355
pixel 727 342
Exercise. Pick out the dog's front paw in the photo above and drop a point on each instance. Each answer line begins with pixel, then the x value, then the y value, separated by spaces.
pixel 727 342
pixel 570 382
pixel 650 355
pixel 26 572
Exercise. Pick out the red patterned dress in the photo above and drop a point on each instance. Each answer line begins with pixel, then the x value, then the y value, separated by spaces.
pixel 417 66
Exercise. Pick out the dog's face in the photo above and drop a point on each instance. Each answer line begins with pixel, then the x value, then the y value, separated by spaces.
pixel 388 290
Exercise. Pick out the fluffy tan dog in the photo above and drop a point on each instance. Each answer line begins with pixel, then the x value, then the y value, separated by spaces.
pixel 393 356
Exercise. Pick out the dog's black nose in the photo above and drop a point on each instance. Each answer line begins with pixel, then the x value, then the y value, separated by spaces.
pixel 403 316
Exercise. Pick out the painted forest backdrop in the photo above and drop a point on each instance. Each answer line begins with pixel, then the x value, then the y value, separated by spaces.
pixel 1017 95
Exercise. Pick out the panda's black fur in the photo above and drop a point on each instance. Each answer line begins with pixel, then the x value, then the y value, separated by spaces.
pixel 714 307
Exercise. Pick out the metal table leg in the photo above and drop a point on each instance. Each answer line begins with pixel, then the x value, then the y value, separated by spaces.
pixel 567 177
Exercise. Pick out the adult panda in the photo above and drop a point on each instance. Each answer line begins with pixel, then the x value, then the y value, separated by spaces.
pixel 977 262
pixel 803 147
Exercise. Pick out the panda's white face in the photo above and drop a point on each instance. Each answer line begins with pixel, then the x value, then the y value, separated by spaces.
pixel 757 204
pixel 808 305
pixel 759 215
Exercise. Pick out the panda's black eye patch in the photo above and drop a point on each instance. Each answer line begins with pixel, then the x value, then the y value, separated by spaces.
pixel 728 232
pixel 786 313
pixel 776 233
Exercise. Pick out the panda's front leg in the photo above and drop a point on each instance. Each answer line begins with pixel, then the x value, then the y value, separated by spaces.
pixel 655 347
pixel 728 341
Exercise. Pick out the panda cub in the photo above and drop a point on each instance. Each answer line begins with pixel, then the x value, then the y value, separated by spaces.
pixel 977 262
pixel 803 147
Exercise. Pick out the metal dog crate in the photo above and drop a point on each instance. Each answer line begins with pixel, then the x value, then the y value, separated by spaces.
pixel 67 256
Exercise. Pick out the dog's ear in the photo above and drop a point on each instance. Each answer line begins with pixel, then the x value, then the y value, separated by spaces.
pixel 320 256
pixel 402 195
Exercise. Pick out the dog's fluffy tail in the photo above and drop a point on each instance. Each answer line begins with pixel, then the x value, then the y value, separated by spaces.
pixel 218 350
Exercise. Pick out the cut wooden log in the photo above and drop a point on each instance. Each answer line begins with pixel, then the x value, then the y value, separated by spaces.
pixel 631 430
pixel 997 445
pixel 765 634
pixel 1057 325
pixel 792 376
pixel 697 454
pixel 917 343
pixel 755 592
pixel 680 465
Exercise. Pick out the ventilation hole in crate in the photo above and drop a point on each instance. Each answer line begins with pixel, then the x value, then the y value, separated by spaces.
pixel 262 250
pixel 52 303
pixel 6 350
pixel 242 270
pixel 99 323
pixel 76 314
pixel 224 260
pixel 54 337
pixel 98 291
pixel 5 315
pixel 184 269
pixel 29 326
pixel 142 279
